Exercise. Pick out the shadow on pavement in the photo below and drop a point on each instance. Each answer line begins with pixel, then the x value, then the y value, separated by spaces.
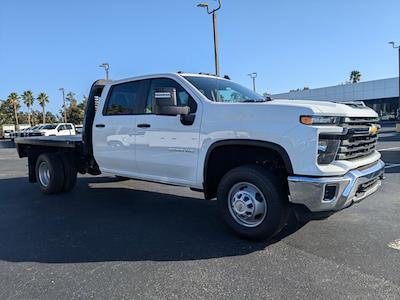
pixel 102 223
pixel 390 138
pixel 391 157
pixel 6 144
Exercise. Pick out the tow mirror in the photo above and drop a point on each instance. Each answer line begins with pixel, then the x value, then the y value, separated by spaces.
pixel 165 103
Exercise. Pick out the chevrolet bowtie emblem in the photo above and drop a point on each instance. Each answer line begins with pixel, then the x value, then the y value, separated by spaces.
pixel 373 130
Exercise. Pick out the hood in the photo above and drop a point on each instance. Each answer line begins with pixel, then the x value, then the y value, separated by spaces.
pixel 327 108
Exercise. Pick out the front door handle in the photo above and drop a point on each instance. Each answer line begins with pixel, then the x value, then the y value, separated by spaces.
pixel 100 125
pixel 144 125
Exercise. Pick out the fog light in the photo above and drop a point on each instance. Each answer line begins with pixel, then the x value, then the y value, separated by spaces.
pixel 330 192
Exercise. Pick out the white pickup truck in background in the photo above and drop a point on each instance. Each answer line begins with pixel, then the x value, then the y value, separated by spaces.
pixel 55 129
pixel 259 158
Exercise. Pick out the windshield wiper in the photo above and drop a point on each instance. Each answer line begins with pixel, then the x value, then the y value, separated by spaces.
pixel 254 100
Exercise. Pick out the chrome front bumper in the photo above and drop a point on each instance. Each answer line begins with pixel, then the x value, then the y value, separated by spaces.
pixel 352 187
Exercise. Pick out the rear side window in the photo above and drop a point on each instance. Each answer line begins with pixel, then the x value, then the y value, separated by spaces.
pixel 69 127
pixel 127 98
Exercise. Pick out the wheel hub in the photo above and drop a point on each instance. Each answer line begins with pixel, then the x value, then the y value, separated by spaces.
pixel 243 203
pixel 247 204
pixel 239 206
pixel 44 174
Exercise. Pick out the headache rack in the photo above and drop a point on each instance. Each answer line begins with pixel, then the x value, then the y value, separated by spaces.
pixel 358 140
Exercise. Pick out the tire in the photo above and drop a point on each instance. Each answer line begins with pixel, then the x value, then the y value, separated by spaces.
pixel 70 172
pixel 253 202
pixel 49 173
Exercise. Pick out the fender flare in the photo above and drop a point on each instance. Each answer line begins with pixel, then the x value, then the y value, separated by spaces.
pixel 243 142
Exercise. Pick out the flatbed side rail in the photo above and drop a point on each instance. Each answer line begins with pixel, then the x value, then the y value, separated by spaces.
pixel 47 143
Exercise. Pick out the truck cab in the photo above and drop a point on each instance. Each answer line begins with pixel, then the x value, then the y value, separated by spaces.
pixel 132 139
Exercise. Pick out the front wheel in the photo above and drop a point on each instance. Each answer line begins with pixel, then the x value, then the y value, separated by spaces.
pixel 253 202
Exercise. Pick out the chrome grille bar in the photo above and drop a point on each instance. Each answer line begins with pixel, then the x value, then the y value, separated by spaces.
pixel 358 141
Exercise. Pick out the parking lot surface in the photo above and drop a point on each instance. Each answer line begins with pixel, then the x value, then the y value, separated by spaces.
pixel 120 239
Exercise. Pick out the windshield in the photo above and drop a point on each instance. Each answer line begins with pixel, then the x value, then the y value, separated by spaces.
pixel 49 127
pixel 221 90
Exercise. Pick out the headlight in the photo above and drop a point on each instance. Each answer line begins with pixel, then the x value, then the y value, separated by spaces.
pixel 319 120
pixel 327 150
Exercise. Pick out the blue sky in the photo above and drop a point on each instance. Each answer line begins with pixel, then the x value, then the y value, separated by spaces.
pixel 47 44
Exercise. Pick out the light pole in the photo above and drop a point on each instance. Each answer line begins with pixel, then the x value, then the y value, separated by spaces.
pixel 214 16
pixel 398 108
pixel 106 67
pixel 253 76
pixel 65 106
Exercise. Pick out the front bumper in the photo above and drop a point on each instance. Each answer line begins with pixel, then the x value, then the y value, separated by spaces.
pixel 334 193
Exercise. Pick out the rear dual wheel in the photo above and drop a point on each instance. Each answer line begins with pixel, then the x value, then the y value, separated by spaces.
pixel 70 171
pixel 55 173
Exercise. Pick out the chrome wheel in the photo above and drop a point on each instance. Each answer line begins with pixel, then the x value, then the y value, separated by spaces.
pixel 44 174
pixel 247 204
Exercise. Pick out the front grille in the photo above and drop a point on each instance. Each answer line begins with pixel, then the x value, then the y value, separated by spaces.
pixel 357 141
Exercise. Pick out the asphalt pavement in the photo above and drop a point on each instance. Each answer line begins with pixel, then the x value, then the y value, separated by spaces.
pixel 125 239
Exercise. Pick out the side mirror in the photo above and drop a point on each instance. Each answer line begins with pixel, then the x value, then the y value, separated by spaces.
pixel 165 103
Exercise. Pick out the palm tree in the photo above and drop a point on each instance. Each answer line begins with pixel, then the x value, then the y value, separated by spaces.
pixel 43 99
pixel 71 99
pixel 14 100
pixel 355 76
pixel 28 99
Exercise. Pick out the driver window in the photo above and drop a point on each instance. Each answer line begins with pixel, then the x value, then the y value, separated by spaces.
pixel 183 97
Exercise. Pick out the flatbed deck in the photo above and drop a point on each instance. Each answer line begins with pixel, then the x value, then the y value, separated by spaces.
pixel 68 141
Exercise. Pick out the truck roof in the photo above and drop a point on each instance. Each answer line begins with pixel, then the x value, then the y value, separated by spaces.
pixel 158 75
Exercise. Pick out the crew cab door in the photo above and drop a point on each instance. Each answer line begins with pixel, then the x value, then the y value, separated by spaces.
pixel 114 127
pixel 167 147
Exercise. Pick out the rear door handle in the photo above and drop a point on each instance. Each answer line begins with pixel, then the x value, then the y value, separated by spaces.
pixel 100 125
pixel 144 125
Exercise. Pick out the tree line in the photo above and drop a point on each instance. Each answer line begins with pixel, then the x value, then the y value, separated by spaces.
pixel 10 109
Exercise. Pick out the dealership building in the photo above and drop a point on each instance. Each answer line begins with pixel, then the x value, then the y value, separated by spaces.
pixel 381 95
